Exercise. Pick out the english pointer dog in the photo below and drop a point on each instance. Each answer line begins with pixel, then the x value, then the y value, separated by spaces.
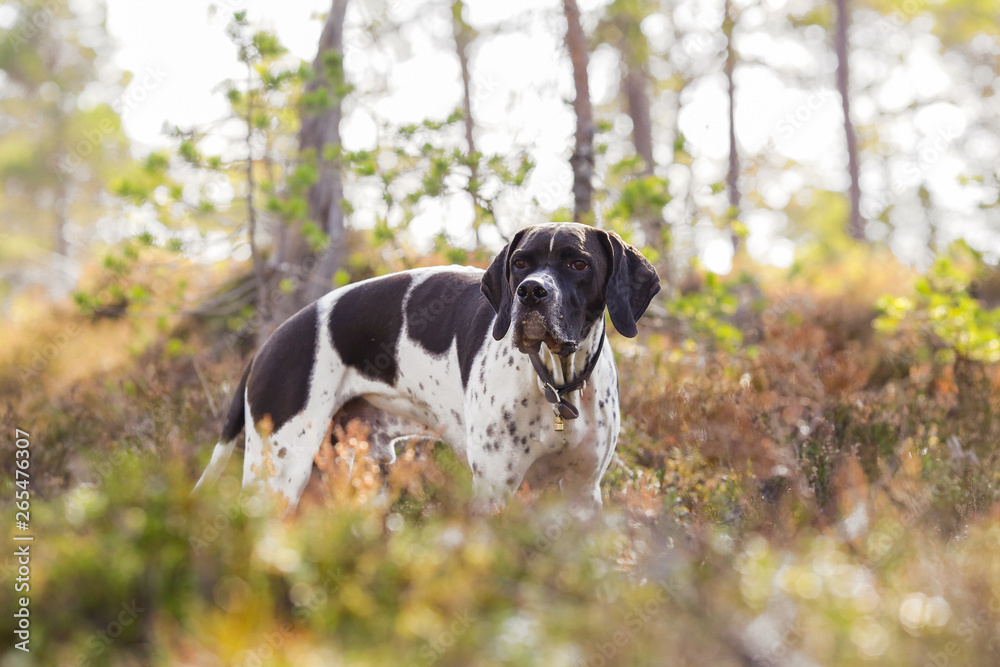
pixel 510 366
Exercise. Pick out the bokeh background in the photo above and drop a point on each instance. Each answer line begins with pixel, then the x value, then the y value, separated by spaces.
pixel 807 471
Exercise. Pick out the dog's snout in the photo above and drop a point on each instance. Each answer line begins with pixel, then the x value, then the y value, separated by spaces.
pixel 531 292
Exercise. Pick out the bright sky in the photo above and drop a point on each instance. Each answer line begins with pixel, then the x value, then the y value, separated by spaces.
pixel 179 53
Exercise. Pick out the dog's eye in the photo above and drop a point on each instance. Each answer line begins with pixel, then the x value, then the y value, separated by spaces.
pixel 579 265
pixel 520 264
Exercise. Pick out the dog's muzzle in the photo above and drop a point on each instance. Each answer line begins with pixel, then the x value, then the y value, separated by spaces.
pixel 536 319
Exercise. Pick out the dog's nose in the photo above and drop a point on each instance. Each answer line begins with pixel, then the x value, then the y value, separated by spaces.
pixel 531 292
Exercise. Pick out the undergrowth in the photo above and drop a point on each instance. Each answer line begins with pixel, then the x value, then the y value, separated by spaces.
pixel 803 475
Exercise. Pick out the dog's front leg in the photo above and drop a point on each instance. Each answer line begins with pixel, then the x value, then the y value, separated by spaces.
pixel 497 472
pixel 583 496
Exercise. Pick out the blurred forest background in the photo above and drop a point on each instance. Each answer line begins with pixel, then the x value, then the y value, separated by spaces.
pixel 808 469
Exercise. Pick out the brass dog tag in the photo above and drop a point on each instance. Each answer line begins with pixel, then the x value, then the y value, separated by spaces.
pixel 559 423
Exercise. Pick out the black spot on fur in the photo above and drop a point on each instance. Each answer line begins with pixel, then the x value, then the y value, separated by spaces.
pixel 282 452
pixel 508 420
pixel 450 307
pixel 278 380
pixel 365 324
pixel 490 430
pixel 524 402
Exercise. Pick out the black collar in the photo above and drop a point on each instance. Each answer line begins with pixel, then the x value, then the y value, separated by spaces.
pixel 553 392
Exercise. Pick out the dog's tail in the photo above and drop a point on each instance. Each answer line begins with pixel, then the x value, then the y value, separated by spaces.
pixel 230 430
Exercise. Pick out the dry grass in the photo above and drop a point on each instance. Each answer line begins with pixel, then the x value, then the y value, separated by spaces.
pixel 822 492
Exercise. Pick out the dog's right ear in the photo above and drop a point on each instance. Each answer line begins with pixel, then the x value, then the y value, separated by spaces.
pixel 496 287
pixel 632 284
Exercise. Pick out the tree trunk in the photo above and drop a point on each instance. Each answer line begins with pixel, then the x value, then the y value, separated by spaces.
pixel 635 86
pixel 733 175
pixel 61 210
pixel 464 35
pixel 61 205
pixel 856 226
pixel 317 133
pixel 312 273
pixel 582 159
pixel 637 101
pixel 256 259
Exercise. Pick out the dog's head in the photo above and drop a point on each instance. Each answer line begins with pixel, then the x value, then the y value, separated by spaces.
pixel 553 282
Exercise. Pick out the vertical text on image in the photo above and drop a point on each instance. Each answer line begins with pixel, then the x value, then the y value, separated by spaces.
pixel 22 552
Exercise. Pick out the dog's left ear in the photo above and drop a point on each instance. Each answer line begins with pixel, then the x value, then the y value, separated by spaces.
pixel 496 287
pixel 632 283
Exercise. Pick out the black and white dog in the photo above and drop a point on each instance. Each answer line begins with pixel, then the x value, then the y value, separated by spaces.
pixel 511 367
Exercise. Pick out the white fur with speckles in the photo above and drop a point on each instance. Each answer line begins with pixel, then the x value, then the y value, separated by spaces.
pixel 504 431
